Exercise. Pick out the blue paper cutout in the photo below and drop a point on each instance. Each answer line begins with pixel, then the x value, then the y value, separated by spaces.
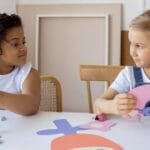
pixel 145 111
pixel 3 118
pixel 63 127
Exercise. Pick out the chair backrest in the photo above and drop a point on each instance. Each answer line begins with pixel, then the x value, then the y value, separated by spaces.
pixel 97 73
pixel 51 96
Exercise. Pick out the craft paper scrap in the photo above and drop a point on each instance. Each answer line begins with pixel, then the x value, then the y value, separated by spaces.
pixel 98 125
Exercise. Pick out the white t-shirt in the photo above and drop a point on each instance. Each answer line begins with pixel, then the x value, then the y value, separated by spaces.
pixel 13 81
pixel 125 80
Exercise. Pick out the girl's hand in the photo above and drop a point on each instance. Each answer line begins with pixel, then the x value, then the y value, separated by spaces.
pixel 123 104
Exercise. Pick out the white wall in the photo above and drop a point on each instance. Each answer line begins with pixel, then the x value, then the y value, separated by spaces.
pixel 131 8
pixel 8 6
pixel 147 4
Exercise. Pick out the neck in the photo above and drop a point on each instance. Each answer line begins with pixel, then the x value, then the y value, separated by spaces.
pixel 6 69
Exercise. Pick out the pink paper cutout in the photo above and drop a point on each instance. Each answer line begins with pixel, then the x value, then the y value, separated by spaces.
pixel 98 125
pixel 136 116
pixel 142 93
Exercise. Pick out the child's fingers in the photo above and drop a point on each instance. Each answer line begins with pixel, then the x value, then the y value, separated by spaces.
pixel 126 96
pixel 127 102
pixel 126 107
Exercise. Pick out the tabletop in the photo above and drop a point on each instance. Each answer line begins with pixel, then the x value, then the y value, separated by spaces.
pixel 51 130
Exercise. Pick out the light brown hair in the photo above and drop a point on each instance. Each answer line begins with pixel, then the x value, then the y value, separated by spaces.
pixel 141 22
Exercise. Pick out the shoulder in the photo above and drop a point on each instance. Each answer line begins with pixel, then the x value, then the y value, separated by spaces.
pixel 28 69
pixel 27 74
pixel 127 70
pixel 34 73
pixel 124 80
pixel 127 74
pixel 32 80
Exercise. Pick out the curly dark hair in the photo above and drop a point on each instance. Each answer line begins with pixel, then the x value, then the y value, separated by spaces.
pixel 7 22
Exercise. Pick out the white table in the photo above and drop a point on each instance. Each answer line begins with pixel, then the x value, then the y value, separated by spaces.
pixel 20 133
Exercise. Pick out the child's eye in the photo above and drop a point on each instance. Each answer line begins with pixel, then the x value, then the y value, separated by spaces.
pixel 15 44
pixel 24 42
pixel 139 46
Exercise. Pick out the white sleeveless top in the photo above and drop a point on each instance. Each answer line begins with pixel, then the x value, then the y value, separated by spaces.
pixel 13 81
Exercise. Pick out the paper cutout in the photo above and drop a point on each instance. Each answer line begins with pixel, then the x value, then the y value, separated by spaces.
pixel 77 141
pixel 63 127
pixel 131 116
pixel 1 141
pixel 98 125
pixel 3 118
pixel 71 140
pixel 142 94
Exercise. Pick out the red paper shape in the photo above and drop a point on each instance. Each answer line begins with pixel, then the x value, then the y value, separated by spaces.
pixel 73 141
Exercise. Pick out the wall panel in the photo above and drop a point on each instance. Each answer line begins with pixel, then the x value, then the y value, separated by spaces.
pixel 61 37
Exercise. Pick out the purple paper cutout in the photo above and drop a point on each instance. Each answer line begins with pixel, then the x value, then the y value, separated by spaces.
pixel 63 127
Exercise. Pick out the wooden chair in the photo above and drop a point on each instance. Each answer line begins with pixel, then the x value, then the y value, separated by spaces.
pixel 51 98
pixel 97 73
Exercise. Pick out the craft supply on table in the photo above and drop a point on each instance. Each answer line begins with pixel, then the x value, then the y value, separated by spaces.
pixel 101 117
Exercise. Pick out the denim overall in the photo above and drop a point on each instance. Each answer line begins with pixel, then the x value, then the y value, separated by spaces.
pixel 138 82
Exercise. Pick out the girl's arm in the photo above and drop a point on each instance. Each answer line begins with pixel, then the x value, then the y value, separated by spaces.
pixel 26 103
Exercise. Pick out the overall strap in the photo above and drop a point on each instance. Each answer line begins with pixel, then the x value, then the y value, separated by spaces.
pixel 138 76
